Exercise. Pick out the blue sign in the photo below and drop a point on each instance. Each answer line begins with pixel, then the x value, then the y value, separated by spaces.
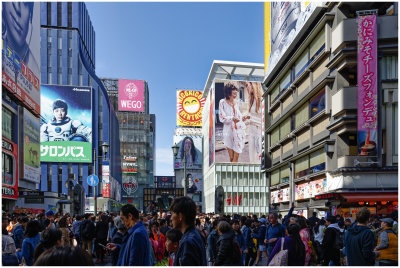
pixel 93 180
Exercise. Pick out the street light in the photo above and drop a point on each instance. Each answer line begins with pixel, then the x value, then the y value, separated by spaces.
pixel 104 149
pixel 175 149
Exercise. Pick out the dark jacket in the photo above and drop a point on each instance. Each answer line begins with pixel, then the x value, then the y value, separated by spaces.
pixel 135 248
pixel 240 238
pixel 18 234
pixel 313 221
pixel 260 235
pixel 101 230
pixel 248 241
pixel 329 243
pixel 191 250
pixel 212 245
pixel 116 239
pixel 359 242
pixel 87 233
pixel 225 250
pixel 28 248
pixel 293 259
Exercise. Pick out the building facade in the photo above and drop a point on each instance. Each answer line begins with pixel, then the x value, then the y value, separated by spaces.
pixel 137 135
pixel 68 59
pixel 312 147
pixel 244 187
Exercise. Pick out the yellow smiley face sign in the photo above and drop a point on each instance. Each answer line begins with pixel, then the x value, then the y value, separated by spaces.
pixel 189 108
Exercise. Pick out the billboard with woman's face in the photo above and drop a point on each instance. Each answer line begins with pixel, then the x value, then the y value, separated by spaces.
pixel 238 115
pixel 192 147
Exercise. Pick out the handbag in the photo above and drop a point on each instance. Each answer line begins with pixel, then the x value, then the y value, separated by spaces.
pixel 281 258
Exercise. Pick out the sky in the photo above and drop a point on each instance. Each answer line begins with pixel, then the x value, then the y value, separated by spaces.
pixel 172 46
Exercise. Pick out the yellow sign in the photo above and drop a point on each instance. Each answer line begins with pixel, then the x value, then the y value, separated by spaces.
pixel 189 108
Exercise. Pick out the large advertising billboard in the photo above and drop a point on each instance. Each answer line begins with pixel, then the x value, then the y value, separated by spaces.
pixel 367 66
pixel 66 124
pixel 31 147
pixel 195 182
pixel 165 181
pixel 283 21
pixel 21 52
pixel 189 108
pixel 131 95
pixel 238 115
pixel 192 147
pixel 211 144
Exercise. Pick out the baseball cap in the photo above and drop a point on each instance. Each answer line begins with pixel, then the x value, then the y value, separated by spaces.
pixel 388 220
pixel 263 220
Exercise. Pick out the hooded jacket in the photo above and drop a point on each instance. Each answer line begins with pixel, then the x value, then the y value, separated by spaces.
pixel 359 242
pixel 225 250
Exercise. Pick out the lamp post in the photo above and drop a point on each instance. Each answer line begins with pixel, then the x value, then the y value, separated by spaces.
pixel 104 149
pixel 175 149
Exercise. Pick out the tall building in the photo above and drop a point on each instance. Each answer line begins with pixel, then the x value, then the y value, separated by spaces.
pixel 331 148
pixel 68 74
pixel 130 99
pixel 233 182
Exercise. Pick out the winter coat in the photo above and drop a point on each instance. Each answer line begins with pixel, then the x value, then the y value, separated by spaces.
pixel 388 245
pixel 87 235
pixel 18 234
pixel 240 239
pixel 212 245
pixel 225 250
pixel 135 248
pixel 360 244
pixel 329 243
pixel 191 250
pixel 28 248
pixel 101 231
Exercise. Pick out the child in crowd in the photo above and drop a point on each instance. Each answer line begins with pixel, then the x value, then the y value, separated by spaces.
pixel 173 237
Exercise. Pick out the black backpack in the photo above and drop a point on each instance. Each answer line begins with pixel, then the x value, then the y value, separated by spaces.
pixel 86 231
pixel 339 239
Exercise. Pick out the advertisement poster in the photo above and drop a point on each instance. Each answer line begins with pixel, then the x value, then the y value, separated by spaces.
pixel 131 95
pixel 367 86
pixel 310 189
pixel 281 195
pixel 192 147
pixel 283 21
pixel 165 181
pixel 263 164
pixel 31 147
pixel 189 108
pixel 106 184
pixel 238 116
pixel 195 182
pixel 66 124
pixel 21 52
pixel 211 145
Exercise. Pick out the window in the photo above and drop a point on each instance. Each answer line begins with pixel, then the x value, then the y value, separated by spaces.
pixel 285 173
pixel 274 94
pixel 285 83
pixel 317 103
pixel 389 68
pixel 7 124
pixel 285 128
pixel 316 159
pixel 301 115
pixel 69 4
pixel 8 169
pixel 301 63
pixel 301 166
pixel 59 14
pixel 311 163
pixel 317 45
pixel 275 177
pixel 48 13
pixel 274 136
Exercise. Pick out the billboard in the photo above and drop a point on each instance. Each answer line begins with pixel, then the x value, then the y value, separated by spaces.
pixel 310 189
pixel 367 66
pixel 195 182
pixel 238 116
pixel 189 108
pixel 66 124
pixel 165 181
pixel 21 52
pixel 211 144
pixel 282 22
pixel 130 95
pixel 281 195
pixel 31 147
pixel 192 146
pixel 129 186
pixel 106 182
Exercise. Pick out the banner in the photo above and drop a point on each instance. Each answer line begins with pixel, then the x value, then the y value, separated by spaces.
pixel 367 85
pixel 283 21
pixel 189 108
pixel 106 183
pixel 31 147
pixel 66 124
pixel 238 116
pixel 192 146
pixel 131 95
pixel 21 52
pixel 263 160
pixel 165 181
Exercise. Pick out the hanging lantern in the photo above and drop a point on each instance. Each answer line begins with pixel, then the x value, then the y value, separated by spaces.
pixel 361 203
pixel 395 203
pixel 383 202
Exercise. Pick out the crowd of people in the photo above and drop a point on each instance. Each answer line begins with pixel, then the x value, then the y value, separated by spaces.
pixel 183 237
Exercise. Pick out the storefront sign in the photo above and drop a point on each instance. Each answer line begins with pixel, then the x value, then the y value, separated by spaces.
pixel 165 181
pixel 353 211
pixel 6 145
pixel 367 85
pixel 234 200
pixel 131 95
pixel 129 158
pixel 106 181
pixel 31 147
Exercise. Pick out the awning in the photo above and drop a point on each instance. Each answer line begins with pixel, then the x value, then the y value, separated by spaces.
pixel 369 197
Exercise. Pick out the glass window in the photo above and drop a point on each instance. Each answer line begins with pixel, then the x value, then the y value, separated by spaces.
pixel 285 83
pixel 8 169
pixel 317 45
pixel 275 177
pixel 301 115
pixel 284 176
pixel 223 178
pixel 301 63
pixel 7 124
pixel 317 103
pixel 285 128
pixel 245 199
pixel 317 161
pixel 301 166
pixel 274 93
pixel 274 136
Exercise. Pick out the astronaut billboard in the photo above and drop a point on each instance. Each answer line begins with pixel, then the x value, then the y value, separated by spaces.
pixel 66 124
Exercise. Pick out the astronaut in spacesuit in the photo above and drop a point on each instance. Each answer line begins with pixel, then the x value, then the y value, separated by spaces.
pixel 62 128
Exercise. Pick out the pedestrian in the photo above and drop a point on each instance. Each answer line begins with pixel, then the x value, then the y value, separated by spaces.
pixel 164 228
pixel 250 249
pixel 239 238
pixel 62 224
pixel 50 238
pixel 260 235
pixel 228 249
pixel 387 244
pixel 88 232
pixel 173 238
pixel 32 239
pixel 212 243
pixel 157 240
pixel 101 231
pixel 117 238
pixel 395 223
pixel 9 256
pixel 191 250
pixel 293 243
pixel 135 247
pixel 318 231
pixel 76 229
pixel 64 256
pixel 208 225
pixel 305 237
pixel 49 221
pixel 313 220
pixel 19 230
pixel 359 241
pixel 274 231
pixel 202 231
pixel 331 242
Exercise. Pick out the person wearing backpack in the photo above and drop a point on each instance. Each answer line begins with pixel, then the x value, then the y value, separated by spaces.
pixel 331 243
pixel 295 254
pixel 228 249
pixel 87 231
pixel 387 244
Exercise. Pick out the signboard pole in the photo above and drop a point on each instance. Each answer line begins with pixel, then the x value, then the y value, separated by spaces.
pixel 94 188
